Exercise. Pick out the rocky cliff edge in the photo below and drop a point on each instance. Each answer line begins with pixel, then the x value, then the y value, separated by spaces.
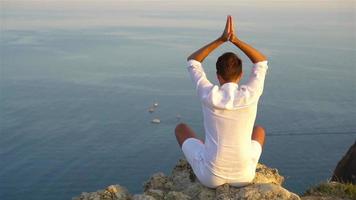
pixel 182 184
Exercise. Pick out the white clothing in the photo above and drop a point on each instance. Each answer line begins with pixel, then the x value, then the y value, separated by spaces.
pixel 229 115
pixel 193 150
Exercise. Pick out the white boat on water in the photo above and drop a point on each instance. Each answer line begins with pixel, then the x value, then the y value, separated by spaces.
pixel 155 104
pixel 156 121
pixel 151 109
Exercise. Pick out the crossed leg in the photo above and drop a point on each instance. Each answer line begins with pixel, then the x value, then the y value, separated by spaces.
pixel 183 132
pixel 259 134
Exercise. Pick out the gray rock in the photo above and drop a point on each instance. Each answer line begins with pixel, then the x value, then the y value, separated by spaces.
pixel 345 171
pixel 142 197
pixel 265 174
pixel 206 194
pixel 157 194
pixel 182 184
pixel 182 176
pixel 323 198
pixel 173 195
pixel 263 191
pixel 158 181
pixel 113 192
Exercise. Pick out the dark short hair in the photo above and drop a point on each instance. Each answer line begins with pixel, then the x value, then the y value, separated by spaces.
pixel 229 66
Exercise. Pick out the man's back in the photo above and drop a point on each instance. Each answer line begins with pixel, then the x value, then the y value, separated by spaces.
pixel 228 141
pixel 229 114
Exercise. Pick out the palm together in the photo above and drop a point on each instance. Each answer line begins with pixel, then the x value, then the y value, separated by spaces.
pixel 229 32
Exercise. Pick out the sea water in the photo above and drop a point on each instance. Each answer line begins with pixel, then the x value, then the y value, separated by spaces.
pixel 78 78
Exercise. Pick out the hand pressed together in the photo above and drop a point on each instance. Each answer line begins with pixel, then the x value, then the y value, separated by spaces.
pixel 228 35
pixel 229 31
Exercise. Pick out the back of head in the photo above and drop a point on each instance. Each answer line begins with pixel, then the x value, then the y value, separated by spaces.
pixel 229 66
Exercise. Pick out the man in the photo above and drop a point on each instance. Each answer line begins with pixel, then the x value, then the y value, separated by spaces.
pixel 233 144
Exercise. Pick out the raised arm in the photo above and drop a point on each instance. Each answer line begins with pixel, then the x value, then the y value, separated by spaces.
pixel 254 55
pixel 203 52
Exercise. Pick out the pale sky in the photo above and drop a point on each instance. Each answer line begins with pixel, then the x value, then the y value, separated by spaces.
pixel 48 14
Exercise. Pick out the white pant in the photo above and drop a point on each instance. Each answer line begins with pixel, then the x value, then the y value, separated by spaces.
pixel 193 151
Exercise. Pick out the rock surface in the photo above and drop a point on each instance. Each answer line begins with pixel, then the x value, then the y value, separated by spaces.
pixel 345 171
pixel 182 184
pixel 331 191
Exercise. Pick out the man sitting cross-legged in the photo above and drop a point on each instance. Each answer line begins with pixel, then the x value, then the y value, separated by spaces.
pixel 232 145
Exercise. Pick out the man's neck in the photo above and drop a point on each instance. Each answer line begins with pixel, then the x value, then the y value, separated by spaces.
pixel 234 82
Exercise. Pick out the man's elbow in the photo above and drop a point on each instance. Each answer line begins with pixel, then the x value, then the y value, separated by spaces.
pixel 264 58
pixel 260 59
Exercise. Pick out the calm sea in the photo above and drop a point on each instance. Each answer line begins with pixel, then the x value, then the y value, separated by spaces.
pixel 77 79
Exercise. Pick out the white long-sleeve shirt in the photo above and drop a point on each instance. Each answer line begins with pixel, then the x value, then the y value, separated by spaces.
pixel 229 113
